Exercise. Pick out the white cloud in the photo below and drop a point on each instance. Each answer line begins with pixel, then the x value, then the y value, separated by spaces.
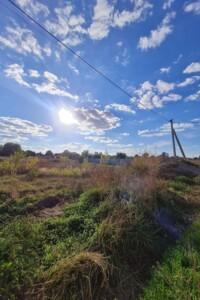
pixel 171 97
pixel 165 129
pixel 102 140
pixel 34 73
pixel 16 129
pixel 105 17
pixel 101 21
pixel 125 134
pixel 33 7
pixel 194 97
pixel 119 44
pixel 167 4
pixel 165 70
pixel 73 68
pixel 73 147
pixel 17 73
pixel 196 120
pixel 49 81
pixel 188 81
pixel 148 96
pixel 193 7
pixel 120 107
pixel 123 57
pixel 92 120
pixel 192 68
pixel 22 41
pixel 50 76
pixel 178 59
pixel 158 35
pixel 67 25
pixel 52 89
pixel 164 87
pixel 120 146
pixel 140 10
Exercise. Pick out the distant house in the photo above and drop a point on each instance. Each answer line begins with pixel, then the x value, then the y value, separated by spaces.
pixel 110 161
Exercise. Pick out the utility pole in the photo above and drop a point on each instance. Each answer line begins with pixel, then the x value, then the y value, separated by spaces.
pixel 173 140
pixel 179 144
pixel 174 136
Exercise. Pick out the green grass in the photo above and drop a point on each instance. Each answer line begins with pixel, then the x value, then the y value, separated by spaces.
pixel 178 277
pixel 99 248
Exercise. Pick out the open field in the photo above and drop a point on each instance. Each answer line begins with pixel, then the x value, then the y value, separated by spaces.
pixel 85 231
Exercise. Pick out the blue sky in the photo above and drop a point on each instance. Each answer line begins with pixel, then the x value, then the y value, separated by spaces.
pixel 52 100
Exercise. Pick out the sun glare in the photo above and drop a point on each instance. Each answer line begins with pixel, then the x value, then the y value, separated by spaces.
pixel 66 116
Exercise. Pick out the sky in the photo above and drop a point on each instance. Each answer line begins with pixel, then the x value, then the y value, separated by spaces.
pixel 51 99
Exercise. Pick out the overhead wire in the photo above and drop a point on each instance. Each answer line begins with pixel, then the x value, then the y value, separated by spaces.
pixel 84 61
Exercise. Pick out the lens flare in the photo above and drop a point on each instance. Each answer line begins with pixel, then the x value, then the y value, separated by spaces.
pixel 66 116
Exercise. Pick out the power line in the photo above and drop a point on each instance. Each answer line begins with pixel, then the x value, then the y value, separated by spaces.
pixel 85 61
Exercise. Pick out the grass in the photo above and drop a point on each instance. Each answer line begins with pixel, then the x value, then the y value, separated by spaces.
pixel 105 242
pixel 178 277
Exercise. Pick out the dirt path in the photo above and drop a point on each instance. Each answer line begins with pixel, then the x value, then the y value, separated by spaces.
pixel 50 207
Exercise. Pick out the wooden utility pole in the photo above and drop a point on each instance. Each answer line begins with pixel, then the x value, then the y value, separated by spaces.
pixel 173 140
pixel 174 136
pixel 179 144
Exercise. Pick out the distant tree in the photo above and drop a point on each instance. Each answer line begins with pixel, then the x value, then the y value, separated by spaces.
pixel 85 154
pixel 164 154
pixel 97 155
pixel 30 153
pixel 121 155
pixel 49 154
pixel 9 149
pixel 146 154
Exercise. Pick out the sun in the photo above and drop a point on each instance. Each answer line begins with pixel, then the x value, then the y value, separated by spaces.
pixel 66 116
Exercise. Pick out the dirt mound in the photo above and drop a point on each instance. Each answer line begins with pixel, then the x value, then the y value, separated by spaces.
pixel 49 202
pixel 175 167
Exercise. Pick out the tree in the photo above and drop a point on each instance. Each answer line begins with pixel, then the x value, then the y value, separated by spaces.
pixel 49 154
pixel 121 155
pixel 30 153
pixel 9 149
pixel 146 154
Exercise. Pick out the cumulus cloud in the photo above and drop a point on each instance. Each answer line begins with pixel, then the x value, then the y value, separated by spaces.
pixel 188 81
pixel 23 41
pixel 34 73
pixel 102 19
pixel 148 96
pixel 49 82
pixel 52 89
pixel 164 87
pixel 125 134
pixel 192 68
pixel 100 139
pixel 67 25
pixel 50 76
pixel 125 17
pixel 164 130
pixel 167 4
pixel 18 130
pixel 193 7
pixel 105 17
pixel 120 107
pixel 77 147
pixel 158 35
pixel 73 68
pixel 33 7
pixel 17 73
pixel 92 120
pixel 165 70
pixel 194 97
pixel 171 97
